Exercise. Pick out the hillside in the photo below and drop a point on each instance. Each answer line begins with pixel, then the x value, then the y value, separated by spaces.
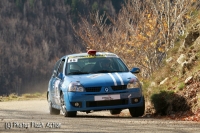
pixel 174 89
pixel 34 34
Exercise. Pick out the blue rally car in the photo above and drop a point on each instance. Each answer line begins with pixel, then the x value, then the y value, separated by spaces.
pixel 94 81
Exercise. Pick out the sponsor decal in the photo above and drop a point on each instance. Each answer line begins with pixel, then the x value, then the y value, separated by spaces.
pixel 57 87
pixel 72 60
pixel 86 56
pixel 94 56
pixel 95 75
pixel 107 97
pixel 110 55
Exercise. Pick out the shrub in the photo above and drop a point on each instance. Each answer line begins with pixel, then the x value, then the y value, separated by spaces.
pixel 160 102
pixel 95 6
pixel 37 94
pixel 13 95
pixel 181 86
pixel 167 102
pixel 28 96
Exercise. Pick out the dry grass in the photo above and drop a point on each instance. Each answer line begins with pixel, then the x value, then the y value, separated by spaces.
pixel 172 70
pixel 15 97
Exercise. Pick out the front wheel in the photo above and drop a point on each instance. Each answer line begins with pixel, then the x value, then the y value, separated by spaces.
pixel 137 111
pixel 64 110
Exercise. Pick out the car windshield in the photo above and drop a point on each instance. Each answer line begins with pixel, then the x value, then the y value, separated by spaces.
pixel 77 66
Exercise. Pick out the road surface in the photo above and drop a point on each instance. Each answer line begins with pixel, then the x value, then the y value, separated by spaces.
pixel 33 116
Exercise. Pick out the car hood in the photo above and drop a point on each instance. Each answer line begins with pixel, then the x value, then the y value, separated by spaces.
pixel 102 79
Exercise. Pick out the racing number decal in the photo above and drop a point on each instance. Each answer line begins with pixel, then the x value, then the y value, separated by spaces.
pixel 56 87
pixel 56 90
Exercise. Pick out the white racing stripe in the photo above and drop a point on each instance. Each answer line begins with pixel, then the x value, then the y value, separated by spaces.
pixel 122 82
pixel 115 82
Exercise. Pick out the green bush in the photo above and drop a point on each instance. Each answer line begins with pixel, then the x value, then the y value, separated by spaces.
pixel 167 102
pixel 31 3
pixel 20 4
pixel 160 101
pixel 95 6
pixel 181 86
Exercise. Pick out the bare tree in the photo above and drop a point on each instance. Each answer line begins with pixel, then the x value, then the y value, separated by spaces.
pixel 141 33
pixel 123 35
pixel 171 18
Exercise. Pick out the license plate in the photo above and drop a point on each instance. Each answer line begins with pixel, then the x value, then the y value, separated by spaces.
pixel 106 97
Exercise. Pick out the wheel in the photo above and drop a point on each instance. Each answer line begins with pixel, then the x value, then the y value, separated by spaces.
pixel 115 111
pixel 137 111
pixel 52 110
pixel 64 110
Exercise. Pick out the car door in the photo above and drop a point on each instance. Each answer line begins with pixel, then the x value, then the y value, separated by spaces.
pixel 54 82
pixel 58 81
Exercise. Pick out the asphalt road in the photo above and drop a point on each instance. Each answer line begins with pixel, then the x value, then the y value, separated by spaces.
pixel 33 116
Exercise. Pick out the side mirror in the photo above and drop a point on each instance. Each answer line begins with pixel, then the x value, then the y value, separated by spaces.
pixel 60 76
pixel 135 70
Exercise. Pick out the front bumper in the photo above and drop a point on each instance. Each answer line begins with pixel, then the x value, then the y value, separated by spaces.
pixel 84 101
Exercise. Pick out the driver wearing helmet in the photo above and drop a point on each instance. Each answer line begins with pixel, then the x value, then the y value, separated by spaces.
pixel 106 65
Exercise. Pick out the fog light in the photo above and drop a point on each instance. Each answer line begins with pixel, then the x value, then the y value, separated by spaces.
pixel 76 104
pixel 136 100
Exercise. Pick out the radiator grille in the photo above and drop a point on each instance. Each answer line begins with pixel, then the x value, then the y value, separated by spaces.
pixel 93 89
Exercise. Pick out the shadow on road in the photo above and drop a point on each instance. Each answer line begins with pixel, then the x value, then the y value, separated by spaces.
pixel 18 114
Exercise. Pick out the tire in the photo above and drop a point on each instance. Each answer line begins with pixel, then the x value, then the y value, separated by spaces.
pixel 137 111
pixel 52 110
pixel 115 111
pixel 64 110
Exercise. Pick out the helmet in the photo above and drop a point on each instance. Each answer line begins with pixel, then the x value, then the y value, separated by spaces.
pixel 105 63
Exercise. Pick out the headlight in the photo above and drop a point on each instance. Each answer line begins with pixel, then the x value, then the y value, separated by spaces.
pixel 76 87
pixel 133 84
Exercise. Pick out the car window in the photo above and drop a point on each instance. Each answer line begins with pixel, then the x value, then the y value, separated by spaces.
pixel 60 69
pixel 120 65
pixel 95 65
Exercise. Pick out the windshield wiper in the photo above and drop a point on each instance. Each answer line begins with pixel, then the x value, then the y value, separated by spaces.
pixel 116 71
pixel 103 71
pixel 106 71
pixel 77 73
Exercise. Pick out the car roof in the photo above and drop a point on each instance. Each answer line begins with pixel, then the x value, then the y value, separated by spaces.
pixel 103 54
